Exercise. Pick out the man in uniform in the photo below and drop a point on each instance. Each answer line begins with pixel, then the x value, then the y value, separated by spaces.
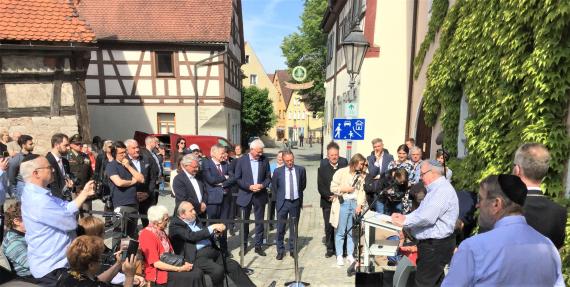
pixel 80 167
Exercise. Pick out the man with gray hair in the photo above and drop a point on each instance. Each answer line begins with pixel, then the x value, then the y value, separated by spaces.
pixel 50 221
pixel 215 173
pixel 547 217
pixel 432 224
pixel 190 188
pixel 416 159
pixel 145 189
pixel 512 253
pixel 253 177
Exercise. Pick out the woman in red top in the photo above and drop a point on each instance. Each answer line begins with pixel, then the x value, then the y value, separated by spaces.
pixel 153 241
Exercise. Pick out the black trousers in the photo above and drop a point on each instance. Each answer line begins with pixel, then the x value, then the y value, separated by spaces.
pixel 329 229
pixel 271 213
pixel 210 261
pixel 50 279
pixel 143 208
pixel 433 255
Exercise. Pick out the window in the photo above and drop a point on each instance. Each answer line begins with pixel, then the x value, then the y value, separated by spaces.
pixel 253 79
pixel 247 59
pixel 166 123
pixel 330 47
pixel 164 64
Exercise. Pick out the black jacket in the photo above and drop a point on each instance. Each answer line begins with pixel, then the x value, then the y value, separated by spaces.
pixel 184 240
pixel 58 184
pixel 154 168
pixel 546 216
pixel 325 174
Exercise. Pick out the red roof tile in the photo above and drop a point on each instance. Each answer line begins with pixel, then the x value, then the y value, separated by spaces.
pixel 42 20
pixel 159 20
pixel 284 76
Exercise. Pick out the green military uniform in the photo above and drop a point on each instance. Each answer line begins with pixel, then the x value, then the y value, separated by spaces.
pixel 80 165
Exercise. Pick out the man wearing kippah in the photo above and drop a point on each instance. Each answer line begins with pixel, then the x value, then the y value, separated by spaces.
pixel 432 224
pixel 512 253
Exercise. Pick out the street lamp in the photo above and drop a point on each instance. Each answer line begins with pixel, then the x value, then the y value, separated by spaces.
pixel 355 46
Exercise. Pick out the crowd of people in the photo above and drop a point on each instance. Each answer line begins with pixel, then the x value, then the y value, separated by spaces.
pixel 52 240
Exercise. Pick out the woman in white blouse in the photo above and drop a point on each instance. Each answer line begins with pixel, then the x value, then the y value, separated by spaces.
pixel 348 186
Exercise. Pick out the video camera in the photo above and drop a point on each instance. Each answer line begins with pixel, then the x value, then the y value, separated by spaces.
pixel 393 184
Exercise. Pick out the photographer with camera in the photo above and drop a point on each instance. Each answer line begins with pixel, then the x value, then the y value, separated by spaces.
pixel 63 180
pixel 80 167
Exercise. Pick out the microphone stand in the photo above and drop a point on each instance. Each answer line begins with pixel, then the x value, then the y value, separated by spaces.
pixel 358 219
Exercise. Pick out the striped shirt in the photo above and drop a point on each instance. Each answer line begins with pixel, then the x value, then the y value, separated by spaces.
pixel 16 250
pixel 437 214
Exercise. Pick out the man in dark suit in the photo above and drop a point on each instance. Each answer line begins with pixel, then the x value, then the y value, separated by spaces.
pixel 547 217
pixel 217 180
pixel 145 190
pixel 190 188
pixel 327 168
pixel 62 184
pixel 196 243
pixel 253 177
pixel 378 162
pixel 147 152
pixel 289 182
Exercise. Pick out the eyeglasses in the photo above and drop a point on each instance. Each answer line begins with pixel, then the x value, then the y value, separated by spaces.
pixel 424 173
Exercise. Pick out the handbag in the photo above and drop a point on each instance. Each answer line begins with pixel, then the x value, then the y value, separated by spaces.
pixel 172 259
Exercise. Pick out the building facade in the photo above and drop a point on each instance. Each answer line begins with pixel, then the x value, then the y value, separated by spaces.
pixel 255 76
pixel 158 60
pixel 381 88
pixel 43 64
pixel 297 118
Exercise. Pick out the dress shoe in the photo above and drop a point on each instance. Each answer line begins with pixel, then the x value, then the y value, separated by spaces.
pixel 260 251
pixel 292 254
pixel 329 254
pixel 279 256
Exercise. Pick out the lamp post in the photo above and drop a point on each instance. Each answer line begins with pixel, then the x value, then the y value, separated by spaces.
pixel 355 46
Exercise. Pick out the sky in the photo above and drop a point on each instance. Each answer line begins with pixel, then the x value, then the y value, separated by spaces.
pixel 266 23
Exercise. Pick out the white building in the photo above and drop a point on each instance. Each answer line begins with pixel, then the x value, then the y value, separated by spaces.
pixel 142 77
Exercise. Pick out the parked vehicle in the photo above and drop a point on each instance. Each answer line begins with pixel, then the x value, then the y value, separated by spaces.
pixel 169 140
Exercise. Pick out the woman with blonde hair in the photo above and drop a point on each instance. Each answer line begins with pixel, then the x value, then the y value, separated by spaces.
pixel 348 186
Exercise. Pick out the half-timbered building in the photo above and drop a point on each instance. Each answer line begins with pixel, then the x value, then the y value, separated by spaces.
pixel 160 61
pixel 44 52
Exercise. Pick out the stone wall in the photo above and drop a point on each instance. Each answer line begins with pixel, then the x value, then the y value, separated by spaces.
pixel 41 129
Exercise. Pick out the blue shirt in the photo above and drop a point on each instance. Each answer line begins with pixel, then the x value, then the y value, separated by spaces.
pixel 121 196
pixel 50 226
pixel 511 254
pixel 2 187
pixel 204 242
pixel 254 168
pixel 436 216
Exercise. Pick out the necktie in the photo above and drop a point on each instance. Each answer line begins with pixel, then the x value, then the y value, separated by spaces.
pixel 220 169
pixel 60 164
pixel 291 186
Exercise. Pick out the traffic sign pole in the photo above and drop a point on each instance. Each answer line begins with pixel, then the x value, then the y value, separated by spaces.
pixel 348 150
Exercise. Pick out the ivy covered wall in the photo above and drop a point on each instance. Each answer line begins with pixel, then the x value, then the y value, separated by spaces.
pixel 511 59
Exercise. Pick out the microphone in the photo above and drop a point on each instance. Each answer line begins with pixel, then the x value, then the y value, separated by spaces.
pixel 439 139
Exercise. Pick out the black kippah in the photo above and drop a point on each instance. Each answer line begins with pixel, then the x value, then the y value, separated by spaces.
pixel 513 188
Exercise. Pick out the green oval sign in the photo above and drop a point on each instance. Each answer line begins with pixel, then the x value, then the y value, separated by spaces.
pixel 299 73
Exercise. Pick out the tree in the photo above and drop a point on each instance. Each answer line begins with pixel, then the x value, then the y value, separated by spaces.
pixel 257 113
pixel 308 47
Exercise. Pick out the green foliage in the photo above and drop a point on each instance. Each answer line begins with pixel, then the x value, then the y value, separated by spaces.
pixel 257 113
pixel 438 12
pixel 308 47
pixel 511 61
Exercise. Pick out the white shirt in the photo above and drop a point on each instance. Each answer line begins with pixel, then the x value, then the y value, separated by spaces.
pixel 137 163
pixel 194 185
pixel 59 163
pixel 288 174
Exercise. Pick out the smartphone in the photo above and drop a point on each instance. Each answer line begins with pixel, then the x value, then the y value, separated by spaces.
pixel 131 249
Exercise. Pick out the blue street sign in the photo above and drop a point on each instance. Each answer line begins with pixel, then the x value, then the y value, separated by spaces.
pixel 348 129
